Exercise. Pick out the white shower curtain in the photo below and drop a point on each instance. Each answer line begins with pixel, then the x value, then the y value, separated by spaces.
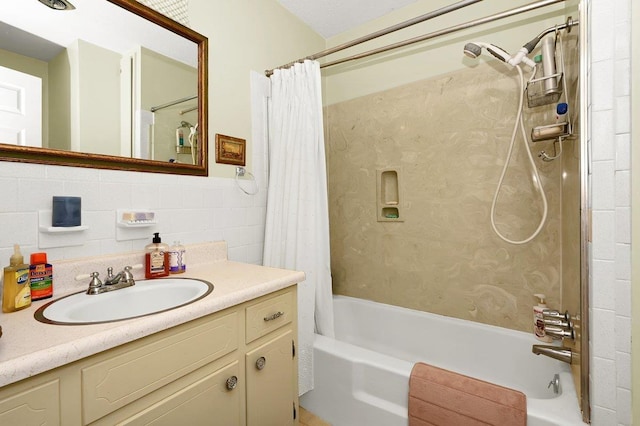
pixel 297 222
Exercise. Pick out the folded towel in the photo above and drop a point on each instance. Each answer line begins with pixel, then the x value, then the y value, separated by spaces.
pixel 440 397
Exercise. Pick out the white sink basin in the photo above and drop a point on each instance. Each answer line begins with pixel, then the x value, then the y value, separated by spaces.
pixel 144 298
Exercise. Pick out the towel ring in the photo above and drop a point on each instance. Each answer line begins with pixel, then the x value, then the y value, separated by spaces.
pixel 241 171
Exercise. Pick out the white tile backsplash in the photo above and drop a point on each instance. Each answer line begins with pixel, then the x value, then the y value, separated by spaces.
pixel 623 373
pixel 603 340
pixel 602 128
pixel 603 294
pixel 604 179
pixel 623 334
pixel 603 372
pixel 602 85
pixel 623 114
pixel 610 83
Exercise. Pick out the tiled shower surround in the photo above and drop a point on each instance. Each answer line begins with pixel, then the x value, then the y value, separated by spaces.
pixel 448 139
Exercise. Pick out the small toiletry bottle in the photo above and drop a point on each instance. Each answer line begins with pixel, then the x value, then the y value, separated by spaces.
pixel 16 293
pixel 156 258
pixel 538 319
pixel 176 258
pixel 40 276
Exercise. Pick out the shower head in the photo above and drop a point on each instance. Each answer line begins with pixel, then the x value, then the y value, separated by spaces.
pixel 58 4
pixel 474 49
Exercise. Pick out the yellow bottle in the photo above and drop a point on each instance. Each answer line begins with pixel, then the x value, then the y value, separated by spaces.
pixel 16 291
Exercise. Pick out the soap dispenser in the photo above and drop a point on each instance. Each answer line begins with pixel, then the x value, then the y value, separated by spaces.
pixel 156 258
pixel 538 319
pixel 16 291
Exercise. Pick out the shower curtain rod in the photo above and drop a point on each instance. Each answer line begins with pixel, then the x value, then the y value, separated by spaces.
pixel 172 103
pixel 469 24
pixel 380 33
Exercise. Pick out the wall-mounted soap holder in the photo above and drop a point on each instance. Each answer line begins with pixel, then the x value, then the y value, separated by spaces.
pixel 50 236
pixel 389 207
pixel 134 224
pixel 135 218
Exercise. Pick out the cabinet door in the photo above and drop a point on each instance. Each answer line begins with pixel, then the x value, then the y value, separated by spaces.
pixel 270 390
pixel 212 400
pixel 38 405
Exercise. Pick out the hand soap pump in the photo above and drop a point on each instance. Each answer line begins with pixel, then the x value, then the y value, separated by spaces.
pixel 16 292
pixel 156 258
pixel 538 319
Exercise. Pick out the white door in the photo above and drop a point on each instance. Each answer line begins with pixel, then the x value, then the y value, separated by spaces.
pixel 20 108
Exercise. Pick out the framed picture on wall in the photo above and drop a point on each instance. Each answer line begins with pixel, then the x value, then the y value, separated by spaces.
pixel 230 150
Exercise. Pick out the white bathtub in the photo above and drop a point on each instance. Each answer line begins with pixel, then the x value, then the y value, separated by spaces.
pixel 362 376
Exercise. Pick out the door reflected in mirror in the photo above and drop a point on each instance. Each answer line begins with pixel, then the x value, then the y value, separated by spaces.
pixel 116 85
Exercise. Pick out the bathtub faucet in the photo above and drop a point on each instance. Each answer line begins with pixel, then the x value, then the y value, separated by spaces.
pixel 556 352
pixel 558 325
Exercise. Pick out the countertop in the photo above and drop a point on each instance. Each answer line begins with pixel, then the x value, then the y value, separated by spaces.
pixel 28 347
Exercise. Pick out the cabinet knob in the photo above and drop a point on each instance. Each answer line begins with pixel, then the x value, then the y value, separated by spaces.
pixel 232 382
pixel 260 363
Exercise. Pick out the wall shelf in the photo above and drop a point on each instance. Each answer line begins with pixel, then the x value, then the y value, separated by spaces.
pixel 61 229
pixel 389 200
pixel 58 236
pixel 135 224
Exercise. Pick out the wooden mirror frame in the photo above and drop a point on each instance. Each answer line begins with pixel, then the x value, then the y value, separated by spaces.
pixel 78 159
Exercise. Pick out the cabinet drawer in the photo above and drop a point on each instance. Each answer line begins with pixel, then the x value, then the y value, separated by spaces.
pixel 119 380
pixel 268 315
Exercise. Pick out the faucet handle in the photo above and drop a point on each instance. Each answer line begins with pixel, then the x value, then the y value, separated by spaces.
pixel 94 284
pixel 557 322
pixel 559 332
pixel 127 275
pixel 552 313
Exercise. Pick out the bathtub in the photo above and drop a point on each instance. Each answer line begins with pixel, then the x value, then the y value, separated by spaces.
pixel 362 376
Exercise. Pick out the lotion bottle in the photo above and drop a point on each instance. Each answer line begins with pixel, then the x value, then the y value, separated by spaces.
pixel 538 319
pixel 177 263
pixel 16 292
pixel 156 258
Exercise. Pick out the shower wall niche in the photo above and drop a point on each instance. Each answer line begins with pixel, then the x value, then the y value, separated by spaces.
pixel 389 198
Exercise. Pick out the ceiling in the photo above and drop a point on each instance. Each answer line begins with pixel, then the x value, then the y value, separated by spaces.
pixel 332 17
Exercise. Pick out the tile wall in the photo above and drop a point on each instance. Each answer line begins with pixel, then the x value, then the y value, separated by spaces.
pixel 189 209
pixel 610 140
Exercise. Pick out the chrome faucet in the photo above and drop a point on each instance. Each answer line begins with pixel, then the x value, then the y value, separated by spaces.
pixel 558 325
pixel 556 352
pixel 122 279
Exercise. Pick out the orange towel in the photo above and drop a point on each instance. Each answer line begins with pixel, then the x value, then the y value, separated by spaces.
pixel 440 397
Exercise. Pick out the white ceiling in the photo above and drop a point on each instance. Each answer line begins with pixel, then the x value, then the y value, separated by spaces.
pixel 331 17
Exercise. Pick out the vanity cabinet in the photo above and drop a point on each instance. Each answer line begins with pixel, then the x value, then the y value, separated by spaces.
pixel 233 367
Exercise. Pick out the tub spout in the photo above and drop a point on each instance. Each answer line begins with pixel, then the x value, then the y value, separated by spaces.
pixel 560 353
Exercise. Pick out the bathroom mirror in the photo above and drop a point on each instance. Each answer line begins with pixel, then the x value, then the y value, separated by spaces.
pixel 116 85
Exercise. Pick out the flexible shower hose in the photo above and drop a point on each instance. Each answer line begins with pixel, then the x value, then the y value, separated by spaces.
pixel 519 123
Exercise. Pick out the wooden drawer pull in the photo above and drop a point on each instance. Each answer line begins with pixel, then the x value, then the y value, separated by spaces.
pixel 274 316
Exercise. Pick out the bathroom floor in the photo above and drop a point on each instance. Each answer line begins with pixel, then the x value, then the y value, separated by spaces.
pixel 307 418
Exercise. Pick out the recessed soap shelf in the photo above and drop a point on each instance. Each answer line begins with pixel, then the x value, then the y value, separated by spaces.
pixel 389 203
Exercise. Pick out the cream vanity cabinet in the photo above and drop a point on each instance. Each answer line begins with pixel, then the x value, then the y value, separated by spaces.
pixel 233 367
